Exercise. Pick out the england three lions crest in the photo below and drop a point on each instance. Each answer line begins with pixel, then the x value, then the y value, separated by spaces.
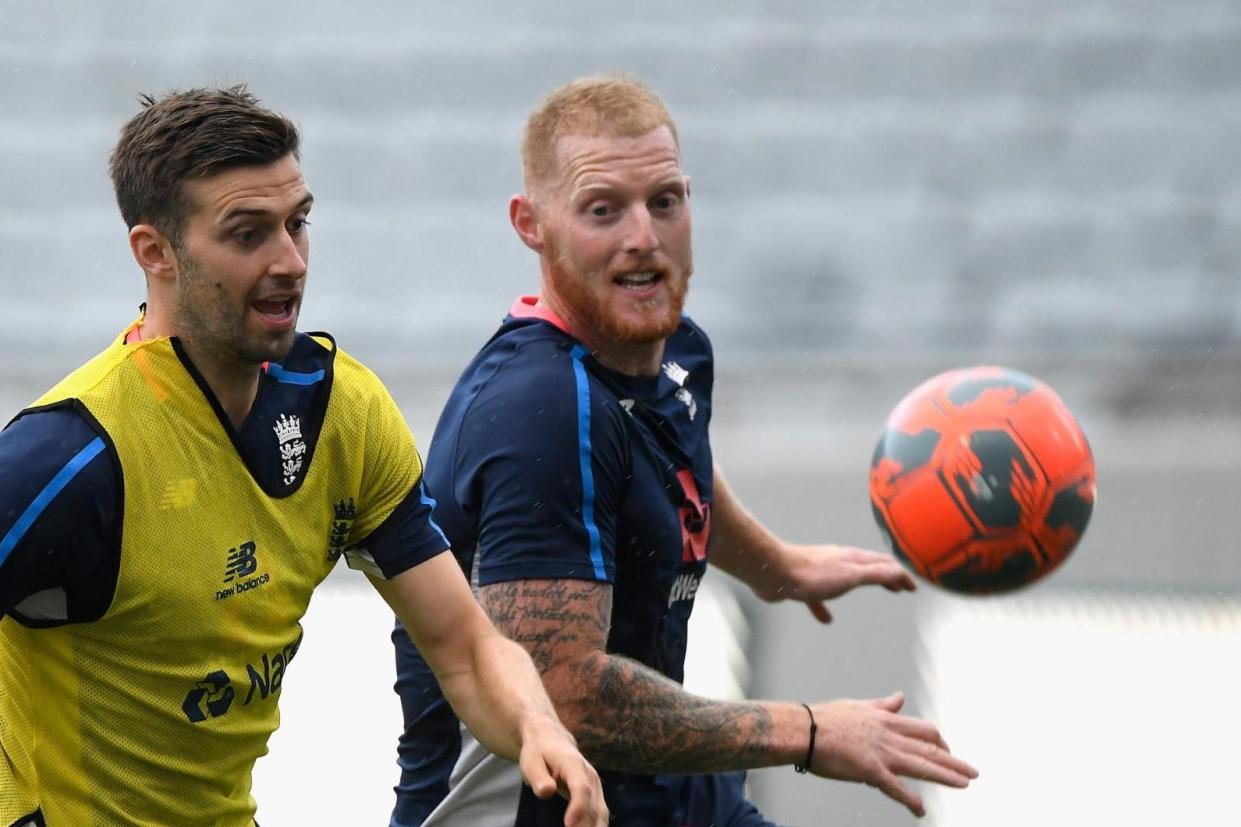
pixel 292 447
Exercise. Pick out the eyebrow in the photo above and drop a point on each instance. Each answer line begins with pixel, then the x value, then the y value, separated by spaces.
pixel 676 182
pixel 258 212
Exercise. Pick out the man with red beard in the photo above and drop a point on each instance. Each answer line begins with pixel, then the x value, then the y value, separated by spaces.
pixel 574 477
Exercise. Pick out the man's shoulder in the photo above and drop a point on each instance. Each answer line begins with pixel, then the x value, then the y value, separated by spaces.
pixel 46 433
pixel 525 358
pixel 88 376
pixel 530 378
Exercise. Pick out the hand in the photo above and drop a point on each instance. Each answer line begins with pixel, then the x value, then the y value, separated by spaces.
pixel 820 573
pixel 551 763
pixel 868 741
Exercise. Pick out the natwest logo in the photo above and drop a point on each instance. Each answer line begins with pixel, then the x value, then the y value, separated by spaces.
pixel 210 698
pixel 213 696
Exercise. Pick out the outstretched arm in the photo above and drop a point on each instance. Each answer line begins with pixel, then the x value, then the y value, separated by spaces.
pixel 628 717
pixel 492 685
pixel 777 570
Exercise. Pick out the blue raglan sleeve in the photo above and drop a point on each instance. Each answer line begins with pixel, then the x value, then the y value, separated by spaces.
pixel 542 456
pixel 60 515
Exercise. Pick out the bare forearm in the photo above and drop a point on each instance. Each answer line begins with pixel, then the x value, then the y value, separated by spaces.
pixel 625 715
pixel 743 546
pixel 489 680
pixel 629 717
pixel 500 695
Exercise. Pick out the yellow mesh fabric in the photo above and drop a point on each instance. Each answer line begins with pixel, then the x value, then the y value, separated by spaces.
pixel 155 713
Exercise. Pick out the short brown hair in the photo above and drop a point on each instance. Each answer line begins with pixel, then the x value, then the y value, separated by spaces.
pixel 191 134
pixel 600 105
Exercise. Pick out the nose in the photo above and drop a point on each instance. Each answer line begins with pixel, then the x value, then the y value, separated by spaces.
pixel 290 257
pixel 640 236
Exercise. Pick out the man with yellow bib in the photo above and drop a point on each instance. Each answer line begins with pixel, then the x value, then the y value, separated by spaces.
pixel 167 510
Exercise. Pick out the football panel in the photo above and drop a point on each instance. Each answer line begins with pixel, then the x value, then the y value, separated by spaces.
pixel 925 520
pixel 1054 437
pixel 994 567
pixel 894 545
pixel 1069 515
pixel 1000 483
pixel 989 389
pixel 908 450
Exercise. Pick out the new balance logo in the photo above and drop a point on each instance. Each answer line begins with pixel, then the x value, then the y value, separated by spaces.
pixel 676 373
pixel 179 494
pixel 680 375
pixel 242 562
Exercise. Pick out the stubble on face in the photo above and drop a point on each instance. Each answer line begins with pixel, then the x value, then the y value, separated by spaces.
pixel 206 319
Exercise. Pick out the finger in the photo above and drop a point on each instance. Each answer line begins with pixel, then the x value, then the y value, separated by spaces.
pixel 889 574
pixel 903 582
pixel 892 703
pixel 892 787
pixel 861 555
pixel 577 814
pixel 581 793
pixel 820 611
pixel 538 776
pixel 953 770
pixel 924 769
pixel 920 729
pixel 581 784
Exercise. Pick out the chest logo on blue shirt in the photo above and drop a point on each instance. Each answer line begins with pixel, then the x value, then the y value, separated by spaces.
pixel 695 520
pixel 679 375
pixel 292 447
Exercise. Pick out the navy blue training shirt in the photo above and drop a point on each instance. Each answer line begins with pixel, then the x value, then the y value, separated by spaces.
pixel 546 464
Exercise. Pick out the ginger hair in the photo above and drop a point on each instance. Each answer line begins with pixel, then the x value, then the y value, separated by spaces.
pixel 613 105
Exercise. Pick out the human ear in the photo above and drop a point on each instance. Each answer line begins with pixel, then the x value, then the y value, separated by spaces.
pixel 524 217
pixel 153 252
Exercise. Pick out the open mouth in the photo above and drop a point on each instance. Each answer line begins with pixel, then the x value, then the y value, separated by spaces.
pixel 643 280
pixel 275 308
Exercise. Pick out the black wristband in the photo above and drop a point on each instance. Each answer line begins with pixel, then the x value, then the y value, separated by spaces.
pixel 805 765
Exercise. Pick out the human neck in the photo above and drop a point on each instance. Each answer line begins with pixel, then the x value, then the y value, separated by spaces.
pixel 234 383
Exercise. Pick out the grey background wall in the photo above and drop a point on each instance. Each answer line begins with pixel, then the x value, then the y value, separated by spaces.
pixel 881 191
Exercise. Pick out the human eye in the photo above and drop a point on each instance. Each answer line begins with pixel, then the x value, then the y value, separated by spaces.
pixel 298 225
pixel 248 236
pixel 665 202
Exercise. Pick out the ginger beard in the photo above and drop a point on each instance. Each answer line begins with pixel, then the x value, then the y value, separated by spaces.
pixel 596 302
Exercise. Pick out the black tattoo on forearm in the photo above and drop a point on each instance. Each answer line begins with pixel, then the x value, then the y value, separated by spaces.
pixel 625 716
pixel 641 721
